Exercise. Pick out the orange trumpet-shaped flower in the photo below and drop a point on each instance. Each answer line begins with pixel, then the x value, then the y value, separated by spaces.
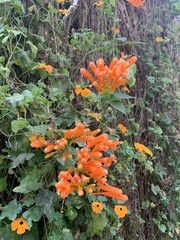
pixel 111 192
pixel 64 188
pixel 37 141
pixel 141 148
pixel 65 175
pixel 78 131
pixel 60 143
pixel 107 161
pixel 109 78
pixel 122 128
pixel 49 148
pixel 87 74
pixel 136 3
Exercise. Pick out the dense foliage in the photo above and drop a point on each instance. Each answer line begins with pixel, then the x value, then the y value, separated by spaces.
pixel 85 111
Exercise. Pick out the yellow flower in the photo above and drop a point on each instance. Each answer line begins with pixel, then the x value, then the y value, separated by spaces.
pixel 141 148
pixel 98 3
pixel 125 89
pixel 159 39
pixel 97 116
pixel 122 128
pixel 83 91
pixel 120 210
pixel 63 11
pixel 97 207
pixel 19 224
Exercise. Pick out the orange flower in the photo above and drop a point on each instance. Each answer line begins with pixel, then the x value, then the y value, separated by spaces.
pixel 65 155
pixel 97 207
pixel 159 39
pixel 50 155
pixel 98 3
pixel 48 68
pixel 76 132
pixel 42 65
pixel 125 89
pixel 64 11
pixel 38 141
pixel 64 188
pixel 83 91
pixel 116 30
pixel 122 128
pixel 60 1
pixel 19 224
pixel 97 116
pixel 111 192
pixel 136 3
pixel 49 148
pixel 141 148
pixel 109 78
pixel 120 210
pixel 60 143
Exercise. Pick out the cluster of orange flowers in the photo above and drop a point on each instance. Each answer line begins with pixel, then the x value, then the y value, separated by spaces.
pixel 136 3
pixel 109 78
pixel 90 173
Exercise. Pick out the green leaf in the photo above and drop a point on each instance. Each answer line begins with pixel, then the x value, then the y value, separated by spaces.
pixel 162 227
pixel 45 198
pixel 134 42
pixel 11 210
pixel 41 129
pixel 22 158
pixel 67 235
pixel 15 99
pixel 113 2
pixel 18 125
pixel 3 183
pixel 99 222
pixel 122 39
pixel 149 166
pixel 33 234
pixel 4 1
pixel 121 95
pixel 34 50
pixel 22 59
pixel 33 215
pixel 29 183
pixel 7 234
pixel 71 213
pixel 4 89
pixel 130 76
pixel 18 6
pixel 118 105
pixel 155 189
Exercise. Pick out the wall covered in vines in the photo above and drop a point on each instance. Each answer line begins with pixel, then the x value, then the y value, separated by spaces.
pixel 89 119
